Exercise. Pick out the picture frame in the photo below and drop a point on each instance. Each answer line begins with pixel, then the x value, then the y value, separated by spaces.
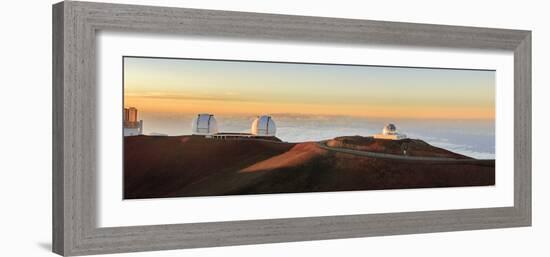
pixel 75 24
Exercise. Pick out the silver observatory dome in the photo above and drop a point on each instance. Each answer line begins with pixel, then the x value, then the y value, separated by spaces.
pixel 389 129
pixel 204 124
pixel 263 126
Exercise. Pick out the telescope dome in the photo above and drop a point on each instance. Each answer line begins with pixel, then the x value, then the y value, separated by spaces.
pixel 389 129
pixel 263 126
pixel 204 124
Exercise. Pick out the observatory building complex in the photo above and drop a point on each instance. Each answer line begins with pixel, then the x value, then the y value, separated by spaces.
pixel 390 132
pixel 132 126
pixel 206 125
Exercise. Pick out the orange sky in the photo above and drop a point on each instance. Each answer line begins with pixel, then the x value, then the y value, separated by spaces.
pixel 223 87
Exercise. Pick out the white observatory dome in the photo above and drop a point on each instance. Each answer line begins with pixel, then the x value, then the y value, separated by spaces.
pixel 263 126
pixel 204 124
pixel 389 129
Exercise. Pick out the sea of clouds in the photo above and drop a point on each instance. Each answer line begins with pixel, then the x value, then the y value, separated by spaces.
pixel 474 138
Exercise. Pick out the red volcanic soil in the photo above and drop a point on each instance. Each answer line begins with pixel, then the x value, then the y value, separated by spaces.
pixel 160 166
pixel 296 156
pixel 407 147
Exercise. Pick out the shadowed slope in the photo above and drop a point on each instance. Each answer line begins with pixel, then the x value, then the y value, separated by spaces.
pixel 157 166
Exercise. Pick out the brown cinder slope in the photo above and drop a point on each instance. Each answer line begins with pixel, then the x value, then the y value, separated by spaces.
pixel 158 166
pixel 195 166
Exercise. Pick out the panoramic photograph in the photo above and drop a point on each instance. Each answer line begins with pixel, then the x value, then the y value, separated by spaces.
pixel 205 127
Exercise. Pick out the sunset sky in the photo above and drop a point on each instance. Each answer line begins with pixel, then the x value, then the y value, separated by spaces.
pixel 158 85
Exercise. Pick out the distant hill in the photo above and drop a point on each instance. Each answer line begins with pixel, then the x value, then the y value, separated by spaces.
pixel 160 166
pixel 406 147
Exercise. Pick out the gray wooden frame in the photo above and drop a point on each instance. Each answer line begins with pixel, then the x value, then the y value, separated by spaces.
pixel 74 130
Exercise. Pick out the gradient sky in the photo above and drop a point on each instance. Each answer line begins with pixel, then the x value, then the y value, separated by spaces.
pixel 158 85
